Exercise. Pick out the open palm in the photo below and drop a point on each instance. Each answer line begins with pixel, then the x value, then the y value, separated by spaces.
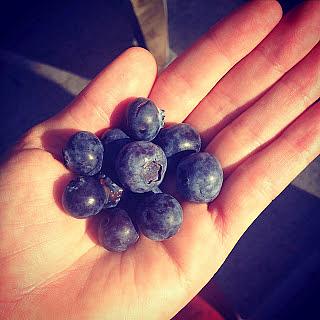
pixel 245 88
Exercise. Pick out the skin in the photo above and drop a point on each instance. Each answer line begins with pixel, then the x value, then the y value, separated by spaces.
pixel 46 254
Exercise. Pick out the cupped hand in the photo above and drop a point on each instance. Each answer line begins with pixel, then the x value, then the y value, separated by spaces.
pixel 249 86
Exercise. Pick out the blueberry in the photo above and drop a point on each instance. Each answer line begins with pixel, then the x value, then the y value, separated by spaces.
pixel 116 231
pixel 199 177
pixel 159 216
pixel 144 119
pixel 113 141
pixel 83 197
pixel 113 191
pixel 131 200
pixel 141 166
pixel 178 141
pixel 83 153
pixel 112 135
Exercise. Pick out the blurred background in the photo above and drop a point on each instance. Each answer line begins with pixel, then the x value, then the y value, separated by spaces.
pixel 50 50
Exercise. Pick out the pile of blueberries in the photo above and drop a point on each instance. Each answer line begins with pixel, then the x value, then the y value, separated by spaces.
pixel 119 175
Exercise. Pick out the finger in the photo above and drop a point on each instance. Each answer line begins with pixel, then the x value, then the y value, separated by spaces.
pixel 191 76
pixel 208 234
pixel 99 105
pixel 291 40
pixel 261 123
pixel 254 184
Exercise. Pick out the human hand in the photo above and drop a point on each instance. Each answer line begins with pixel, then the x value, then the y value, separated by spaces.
pixel 50 265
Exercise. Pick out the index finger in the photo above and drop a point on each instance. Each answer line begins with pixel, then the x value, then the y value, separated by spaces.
pixel 101 103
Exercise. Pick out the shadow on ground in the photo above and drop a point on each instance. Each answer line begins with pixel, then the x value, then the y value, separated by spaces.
pixel 77 37
pixel 272 271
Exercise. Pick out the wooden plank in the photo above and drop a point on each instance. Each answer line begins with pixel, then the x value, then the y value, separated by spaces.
pixel 153 21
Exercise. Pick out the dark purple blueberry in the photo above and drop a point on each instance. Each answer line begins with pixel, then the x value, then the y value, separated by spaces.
pixel 159 216
pixel 178 141
pixel 112 135
pixel 113 191
pixel 116 231
pixel 144 119
pixel 141 166
pixel 83 197
pixel 131 200
pixel 83 153
pixel 199 177
pixel 113 141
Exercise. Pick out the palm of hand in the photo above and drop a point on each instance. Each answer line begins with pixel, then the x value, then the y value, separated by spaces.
pixel 51 261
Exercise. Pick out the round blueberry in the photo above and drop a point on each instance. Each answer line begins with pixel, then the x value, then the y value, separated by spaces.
pixel 199 177
pixel 83 153
pixel 116 231
pixel 83 197
pixel 112 135
pixel 131 200
pixel 141 166
pixel 159 216
pixel 180 139
pixel 144 119
pixel 113 141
